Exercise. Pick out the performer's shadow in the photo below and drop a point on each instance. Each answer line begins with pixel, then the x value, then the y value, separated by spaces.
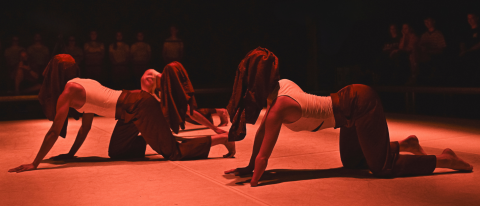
pixel 277 176
pixel 94 161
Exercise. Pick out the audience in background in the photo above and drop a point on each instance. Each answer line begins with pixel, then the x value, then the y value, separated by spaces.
pixel 470 53
pixel 26 79
pixel 141 54
pixel 94 52
pixel 39 55
pixel 75 51
pixel 405 59
pixel 119 53
pixel 408 52
pixel 432 45
pixel 172 47
pixel 12 56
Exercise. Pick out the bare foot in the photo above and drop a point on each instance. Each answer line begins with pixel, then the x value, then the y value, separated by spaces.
pixel 223 114
pixel 411 144
pixel 448 159
pixel 231 149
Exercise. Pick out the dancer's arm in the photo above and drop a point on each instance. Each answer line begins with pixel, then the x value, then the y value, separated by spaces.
pixel 204 121
pixel 283 110
pixel 63 105
pixel 87 120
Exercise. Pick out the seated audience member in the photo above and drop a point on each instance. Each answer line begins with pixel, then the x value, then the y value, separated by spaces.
pixel 141 54
pixel 470 53
pixel 172 47
pixel 432 45
pixel 408 52
pixel 119 53
pixel 94 52
pixel 74 51
pixel 39 54
pixel 12 58
pixel 26 79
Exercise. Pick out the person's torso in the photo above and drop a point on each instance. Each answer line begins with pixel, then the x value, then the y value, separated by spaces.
pixel 140 52
pixel 99 99
pixel 120 54
pixel 317 111
pixel 39 54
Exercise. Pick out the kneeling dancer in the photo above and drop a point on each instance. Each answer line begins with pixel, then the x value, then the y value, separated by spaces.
pixel 355 109
pixel 62 90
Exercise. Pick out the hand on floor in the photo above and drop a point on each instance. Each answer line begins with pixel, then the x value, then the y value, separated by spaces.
pixel 23 168
pixel 240 171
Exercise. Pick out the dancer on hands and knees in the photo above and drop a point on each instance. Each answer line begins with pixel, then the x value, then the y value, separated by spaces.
pixel 355 109
pixel 197 116
pixel 63 94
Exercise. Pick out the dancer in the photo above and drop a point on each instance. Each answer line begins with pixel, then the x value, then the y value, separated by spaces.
pixel 126 141
pixel 198 116
pixel 355 109
pixel 63 95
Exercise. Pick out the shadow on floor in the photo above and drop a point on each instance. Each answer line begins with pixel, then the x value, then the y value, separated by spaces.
pixel 277 176
pixel 94 161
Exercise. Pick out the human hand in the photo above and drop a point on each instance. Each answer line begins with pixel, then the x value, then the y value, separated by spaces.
pixel 23 168
pixel 219 131
pixel 240 171
pixel 63 157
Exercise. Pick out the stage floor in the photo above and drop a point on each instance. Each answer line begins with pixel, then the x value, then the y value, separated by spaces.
pixel 304 169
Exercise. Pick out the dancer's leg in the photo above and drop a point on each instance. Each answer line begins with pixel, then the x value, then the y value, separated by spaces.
pixel 350 151
pixel 125 142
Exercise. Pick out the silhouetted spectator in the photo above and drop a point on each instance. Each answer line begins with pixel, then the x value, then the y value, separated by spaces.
pixel 470 53
pixel 432 45
pixel 119 53
pixel 471 41
pixel 392 43
pixel 26 79
pixel 94 52
pixel 75 51
pixel 141 54
pixel 12 56
pixel 388 68
pixel 39 55
pixel 408 51
pixel 172 47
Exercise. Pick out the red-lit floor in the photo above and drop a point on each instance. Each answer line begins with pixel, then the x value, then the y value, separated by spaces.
pixel 302 170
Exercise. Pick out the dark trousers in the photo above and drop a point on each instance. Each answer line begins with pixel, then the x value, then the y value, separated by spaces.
pixel 125 142
pixel 364 138
pixel 138 111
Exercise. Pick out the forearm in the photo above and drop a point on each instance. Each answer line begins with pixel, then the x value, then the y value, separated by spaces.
pixel 47 144
pixel 201 119
pixel 81 136
pixel 257 144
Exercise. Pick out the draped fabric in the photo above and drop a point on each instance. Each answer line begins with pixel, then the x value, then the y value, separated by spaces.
pixel 176 93
pixel 256 78
pixel 59 71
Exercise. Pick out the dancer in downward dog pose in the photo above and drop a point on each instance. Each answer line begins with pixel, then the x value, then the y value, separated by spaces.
pixel 63 95
pixel 355 109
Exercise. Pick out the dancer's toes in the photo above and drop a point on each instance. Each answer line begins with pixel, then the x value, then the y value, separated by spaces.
pixel 456 162
pixel 411 144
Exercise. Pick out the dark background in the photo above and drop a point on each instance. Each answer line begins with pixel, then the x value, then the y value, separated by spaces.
pixel 217 34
